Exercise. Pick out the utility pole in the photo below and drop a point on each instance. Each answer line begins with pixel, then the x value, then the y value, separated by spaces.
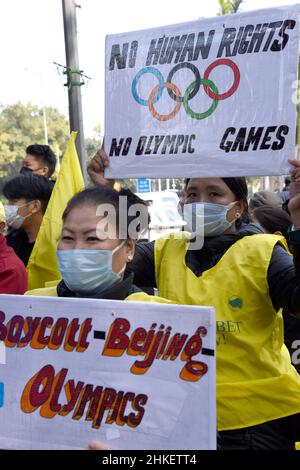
pixel 74 79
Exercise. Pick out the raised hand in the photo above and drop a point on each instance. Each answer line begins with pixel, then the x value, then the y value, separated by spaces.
pixel 97 445
pixel 96 169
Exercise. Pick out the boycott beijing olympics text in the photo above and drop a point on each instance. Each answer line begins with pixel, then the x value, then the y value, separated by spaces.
pixel 72 335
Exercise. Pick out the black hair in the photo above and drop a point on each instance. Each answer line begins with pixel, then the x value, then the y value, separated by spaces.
pixel 273 219
pixel 98 196
pixel 45 155
pixel 239 188
pixel 264 198
pixel 30 187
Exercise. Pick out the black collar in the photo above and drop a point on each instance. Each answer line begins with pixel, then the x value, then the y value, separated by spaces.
pixel 119 291
pixel 214 248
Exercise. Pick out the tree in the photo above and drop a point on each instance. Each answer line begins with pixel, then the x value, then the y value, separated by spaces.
pixel 92 144
pixel 22 125
pixel 229 6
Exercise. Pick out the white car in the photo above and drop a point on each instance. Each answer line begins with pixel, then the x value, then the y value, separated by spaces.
pixel 165 217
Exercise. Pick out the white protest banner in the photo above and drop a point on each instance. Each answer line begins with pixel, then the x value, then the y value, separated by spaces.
pixel 132 375
pixel 213 97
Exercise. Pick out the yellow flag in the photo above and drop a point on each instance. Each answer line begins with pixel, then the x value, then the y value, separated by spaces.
pixel 2 213
pixel 42 266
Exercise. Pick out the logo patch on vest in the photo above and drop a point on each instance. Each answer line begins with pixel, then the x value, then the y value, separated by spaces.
pixel 235 302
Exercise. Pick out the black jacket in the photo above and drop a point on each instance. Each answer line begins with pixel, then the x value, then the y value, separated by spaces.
pixel 119 291
pixel 18 240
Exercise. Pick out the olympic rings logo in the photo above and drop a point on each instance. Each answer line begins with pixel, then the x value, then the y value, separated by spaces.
pixel 209 87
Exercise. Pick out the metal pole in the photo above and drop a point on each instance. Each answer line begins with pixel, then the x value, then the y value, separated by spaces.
pixel 74 91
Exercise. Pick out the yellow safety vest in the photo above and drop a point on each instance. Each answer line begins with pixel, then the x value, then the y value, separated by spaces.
pixel 256 382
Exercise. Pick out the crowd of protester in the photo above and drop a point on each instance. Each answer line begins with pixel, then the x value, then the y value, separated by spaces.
pixel 251 249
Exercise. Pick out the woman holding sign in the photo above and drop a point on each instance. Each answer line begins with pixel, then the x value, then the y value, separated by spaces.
pixel 96 245
pixel 248 279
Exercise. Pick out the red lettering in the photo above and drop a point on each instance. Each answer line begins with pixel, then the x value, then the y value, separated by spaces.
pixel 117 340
pixel 88 394
pixel 47 322
pixel 121 419
pixel 135 420
pixel 86 327
pixel 193 371
pixel 175 346
pixel 3 330
pixel 140 367
pixel 30 326
pixel 135 347
pixel 108 398
pixel 58 333
pixel 45 379
pixel 72 394
pixel 112 415
pixel 15 329
pixel 70 342
pixel 54 406
pixel 192 347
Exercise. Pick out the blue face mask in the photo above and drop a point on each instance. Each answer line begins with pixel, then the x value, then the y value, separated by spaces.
pixel 206 219
pixel 88 271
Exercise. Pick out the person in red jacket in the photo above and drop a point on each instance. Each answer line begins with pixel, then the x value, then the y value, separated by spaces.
pixel 13 276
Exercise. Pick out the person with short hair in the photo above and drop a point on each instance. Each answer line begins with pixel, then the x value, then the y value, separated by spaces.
pixel 40 160
pixel 28 197
pixel 272 220
pixel 264 198
pixel 13 276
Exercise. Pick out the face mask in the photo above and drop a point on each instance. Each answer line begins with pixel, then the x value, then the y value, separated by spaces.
pixel 25 170
pixel 28 171
pixel 206 219
pixel 88 271
pixel 13 219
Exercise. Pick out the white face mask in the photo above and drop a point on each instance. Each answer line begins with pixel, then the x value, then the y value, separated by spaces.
pixel 206 219
pixel 13 219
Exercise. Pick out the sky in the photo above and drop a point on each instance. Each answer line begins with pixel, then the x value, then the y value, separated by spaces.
pixel 32 38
